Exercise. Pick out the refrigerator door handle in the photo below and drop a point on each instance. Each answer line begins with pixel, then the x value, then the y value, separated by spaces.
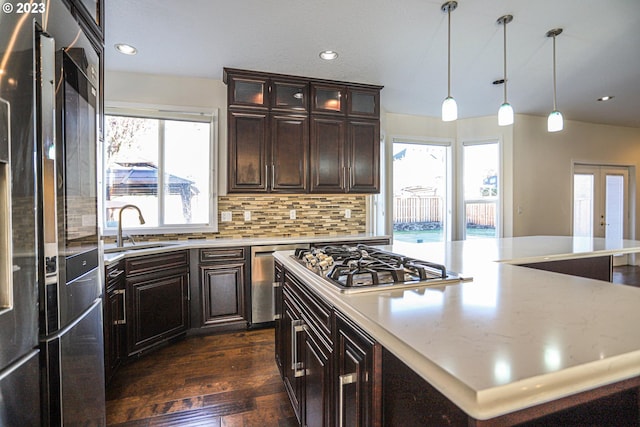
pixel 6 247
pixel 48 156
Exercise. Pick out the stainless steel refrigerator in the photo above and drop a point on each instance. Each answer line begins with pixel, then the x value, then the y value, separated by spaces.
pixel 51 344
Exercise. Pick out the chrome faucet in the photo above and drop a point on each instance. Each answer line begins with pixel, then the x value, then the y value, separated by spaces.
pixel 119 242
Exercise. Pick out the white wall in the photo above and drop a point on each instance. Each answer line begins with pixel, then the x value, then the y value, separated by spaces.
pixel 543 167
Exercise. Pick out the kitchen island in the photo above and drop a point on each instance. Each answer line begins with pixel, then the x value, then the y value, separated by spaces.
pixel 513 340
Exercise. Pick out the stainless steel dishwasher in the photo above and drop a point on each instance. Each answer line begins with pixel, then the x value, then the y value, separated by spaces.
pixel 262 271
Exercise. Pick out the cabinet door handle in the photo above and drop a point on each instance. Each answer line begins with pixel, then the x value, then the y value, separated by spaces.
pixel 273 176
pixel 115 273
pixel 343 381
pixel 344 177
pixel 122 321
pixel 297 326
pixel 276 316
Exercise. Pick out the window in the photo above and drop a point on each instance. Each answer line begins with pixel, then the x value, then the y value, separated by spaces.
pixel 421 191
pixel 164 165
pixel 481 167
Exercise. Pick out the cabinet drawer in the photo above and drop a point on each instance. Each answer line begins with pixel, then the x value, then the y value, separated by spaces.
pixel 222 254
pixel 315 310
pixel 158 262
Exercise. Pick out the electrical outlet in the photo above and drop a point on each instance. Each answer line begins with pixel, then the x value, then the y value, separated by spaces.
pixel 247 216
pixel 226 216
pixel 347 213
pixel 292 214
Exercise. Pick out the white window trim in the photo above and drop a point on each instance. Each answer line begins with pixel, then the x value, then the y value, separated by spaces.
pixel 210 116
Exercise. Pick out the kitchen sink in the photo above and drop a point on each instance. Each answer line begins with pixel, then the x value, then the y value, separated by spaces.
pixel 137 247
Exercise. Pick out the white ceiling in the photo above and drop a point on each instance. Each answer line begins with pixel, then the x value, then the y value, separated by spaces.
pixel 401 44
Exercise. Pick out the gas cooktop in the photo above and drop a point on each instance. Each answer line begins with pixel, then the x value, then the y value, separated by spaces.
pixel 361 268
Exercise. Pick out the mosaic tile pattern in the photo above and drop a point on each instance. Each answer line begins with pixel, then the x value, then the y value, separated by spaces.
pixel 316 215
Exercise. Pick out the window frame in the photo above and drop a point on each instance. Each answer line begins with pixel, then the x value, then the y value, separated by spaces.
pixel 462 202
pixel 210 116
pixel 448 144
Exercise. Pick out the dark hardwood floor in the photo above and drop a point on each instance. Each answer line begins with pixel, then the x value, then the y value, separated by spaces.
pixel 216 380
pixel 627 275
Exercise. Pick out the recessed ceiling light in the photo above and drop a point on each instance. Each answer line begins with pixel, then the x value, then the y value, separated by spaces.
pixel 328 55
pixel 605 98
pixel 127 49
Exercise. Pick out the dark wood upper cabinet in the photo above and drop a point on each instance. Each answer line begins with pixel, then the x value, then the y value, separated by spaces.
pixel 290 134
pixel 247 155
pixel 247 92
pixel 363 102
pixel 328 173
pixel 289 153
pixel 329 99
pixel 363 144
pixel 289 96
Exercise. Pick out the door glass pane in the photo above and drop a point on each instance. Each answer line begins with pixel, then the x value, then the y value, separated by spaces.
pixel 131 170
pixel 481 180
pixel 419 192
pixel 614 211
pixel 583 191
pixel 186 177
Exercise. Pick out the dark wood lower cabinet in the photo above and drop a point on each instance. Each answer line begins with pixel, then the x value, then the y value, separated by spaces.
pixel 157 298
pixel 330 368
pixel 358 373
pixel 600 268
pixel 345 378
pixel 223 293
pixel 114 319
pixel 160 310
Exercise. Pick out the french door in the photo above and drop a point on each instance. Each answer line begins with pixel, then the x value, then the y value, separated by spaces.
pixel 601 201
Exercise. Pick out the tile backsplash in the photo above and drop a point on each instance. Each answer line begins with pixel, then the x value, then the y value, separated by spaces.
pixel 315 215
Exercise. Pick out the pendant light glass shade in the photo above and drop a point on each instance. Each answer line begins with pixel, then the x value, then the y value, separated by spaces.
pixel 555 122
pixel 449 109
pixel 449 106
pixel 505 113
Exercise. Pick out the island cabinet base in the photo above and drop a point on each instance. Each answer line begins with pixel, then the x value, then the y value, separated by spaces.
pixel 410 400
pixel 600 268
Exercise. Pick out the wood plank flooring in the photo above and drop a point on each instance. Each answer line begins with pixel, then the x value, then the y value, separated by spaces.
pixel 215 380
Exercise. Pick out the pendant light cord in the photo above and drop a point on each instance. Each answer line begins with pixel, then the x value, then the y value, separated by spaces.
pixel 505 60
pixel 449 53
pixel 554 73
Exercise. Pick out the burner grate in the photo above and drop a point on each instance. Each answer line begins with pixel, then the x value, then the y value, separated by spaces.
pixel 364 266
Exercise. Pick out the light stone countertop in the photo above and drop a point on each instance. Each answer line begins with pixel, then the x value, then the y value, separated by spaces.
pixel 155 247
pixel 511 338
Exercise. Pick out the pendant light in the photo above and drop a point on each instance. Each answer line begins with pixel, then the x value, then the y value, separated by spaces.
pixel 505 113
pixel 449 106
pixel 554 121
